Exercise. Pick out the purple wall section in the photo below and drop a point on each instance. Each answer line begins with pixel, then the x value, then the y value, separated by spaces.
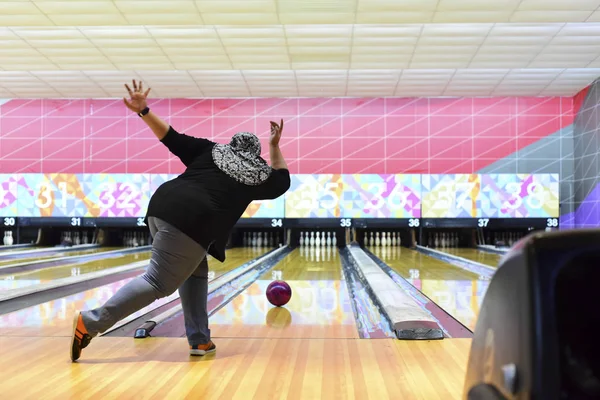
pixel 586 157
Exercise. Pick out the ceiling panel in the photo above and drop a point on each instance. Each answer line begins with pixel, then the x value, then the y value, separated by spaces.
pixel 301 47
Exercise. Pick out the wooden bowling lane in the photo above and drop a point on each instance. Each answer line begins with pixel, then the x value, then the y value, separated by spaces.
pixel 319 308
pixel 479 256
pixel 8 282
pixel 54 318
pixel 291 369
pixel 56 255
pixel 455 290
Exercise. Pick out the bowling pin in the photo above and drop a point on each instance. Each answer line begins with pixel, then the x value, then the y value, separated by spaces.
pixel 312 239
pixel 5 238
pixel 318 240
pixel 383 239
pixel 328 239
pixel 377 240
pixel 322 239
pixel 367 241
pixel 394 240
pixel 301 239
pixel 334 239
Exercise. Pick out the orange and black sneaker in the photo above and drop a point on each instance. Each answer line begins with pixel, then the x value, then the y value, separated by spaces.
pixel 80 339
pixel 203 349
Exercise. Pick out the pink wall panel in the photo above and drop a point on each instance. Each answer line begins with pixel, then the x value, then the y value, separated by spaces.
pixel 418 135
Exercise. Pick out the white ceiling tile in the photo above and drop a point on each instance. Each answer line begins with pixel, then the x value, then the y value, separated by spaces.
pixel 456 29
pixel 309 31
pixel 473 40
pixel 7 34
pixel 122 32
pixel 384 42
pixel 393 17
pixel 525 30
pixel 560 5
pixel 439 64
pixel 124 44
pixel 141 18
pixel 178 32
pixel 395 5
pixel 385 31
pixel 496 64
pixel 66 51
pixel 18 8
pixel 24 20
pixel 580 29
pixel 472 16
pixel 443 51
pixel 567 56
pixel 471 54
pixel 575 41
pixel 260 65
pixel 594 17
pixel 233 6
pixel 156 7
pixel 471 5
pixel 377 64
pixel 558 64
pixel 88 19
pixel 595 63
pixel 550 16
pixel 19 52
pixel 83 7
pixel 501 50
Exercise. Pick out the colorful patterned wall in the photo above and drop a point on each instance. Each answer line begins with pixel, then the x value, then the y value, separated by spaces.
pixel 309 196
pixel 351 136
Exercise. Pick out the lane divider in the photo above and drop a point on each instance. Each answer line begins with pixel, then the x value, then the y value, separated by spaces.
pixel 451 326
pixel 408 319
pixel 39 264
pixel 483 270
pixel 57 249
pixel 493 249
pixel 69 281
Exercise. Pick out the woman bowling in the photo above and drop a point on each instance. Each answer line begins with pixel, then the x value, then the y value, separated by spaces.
pixel 189 217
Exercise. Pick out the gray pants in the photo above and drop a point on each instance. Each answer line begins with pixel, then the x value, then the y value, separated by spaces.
pixel 177 262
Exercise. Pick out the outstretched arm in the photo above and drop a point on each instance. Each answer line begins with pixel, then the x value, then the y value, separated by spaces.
pixel 277 160
pixel 137 103
pixel 181 145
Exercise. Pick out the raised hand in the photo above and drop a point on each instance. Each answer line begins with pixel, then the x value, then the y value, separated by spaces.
pixel 137 97
pixel 276 133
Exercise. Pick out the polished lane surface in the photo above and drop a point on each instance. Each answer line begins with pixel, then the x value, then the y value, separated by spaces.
pixel 455 290
pixel 320 306
pixel 479 256
pixel 24 279
pixel 54 318
pixel 56 255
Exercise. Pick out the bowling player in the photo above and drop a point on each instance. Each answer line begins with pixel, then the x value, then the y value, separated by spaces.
pixel 189 217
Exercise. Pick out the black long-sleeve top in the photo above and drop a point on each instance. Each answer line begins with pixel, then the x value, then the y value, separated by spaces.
pixel 204 202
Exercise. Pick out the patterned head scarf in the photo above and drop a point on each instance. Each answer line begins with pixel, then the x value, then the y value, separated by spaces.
pixel 241 160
